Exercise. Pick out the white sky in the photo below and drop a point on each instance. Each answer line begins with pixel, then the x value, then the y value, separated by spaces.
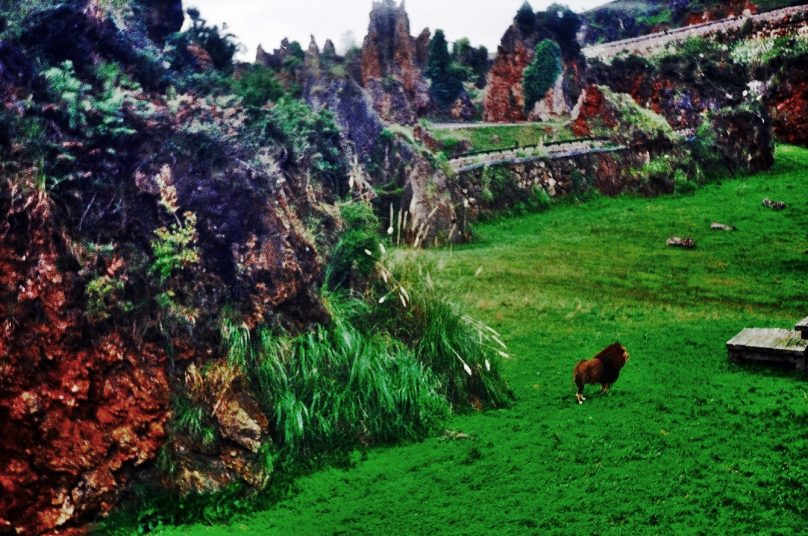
pixel 268 21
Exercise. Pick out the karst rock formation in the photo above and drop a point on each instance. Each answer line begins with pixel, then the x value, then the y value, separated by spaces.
pixel 391 64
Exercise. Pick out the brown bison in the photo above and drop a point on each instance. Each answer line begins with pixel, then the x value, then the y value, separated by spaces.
pixel 604 369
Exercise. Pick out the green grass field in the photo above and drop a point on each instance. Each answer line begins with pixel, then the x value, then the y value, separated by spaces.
pixel 490 138
pixel 684 444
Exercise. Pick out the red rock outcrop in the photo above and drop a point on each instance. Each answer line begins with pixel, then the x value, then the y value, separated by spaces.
pixel 602 112
pixel 730 8
pixel 80 405
pixel 787 102
pixel 390 58
pixel 85 395
pixel 592 108
pixel 422 48
pixel 463 108
pixel 504 98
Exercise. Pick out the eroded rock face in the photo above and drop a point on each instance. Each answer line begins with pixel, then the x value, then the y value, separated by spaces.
pixel 81 406
pixel 722 10
pixel 676 90
pixel 353 111
pixel 552 106
pixel 463 108
pixel 422 48
pixel 592 110
pixel 390 65
pixel 787 101
pixel 86 390
pixel 744 139
pixel 432 216
pixel 505 100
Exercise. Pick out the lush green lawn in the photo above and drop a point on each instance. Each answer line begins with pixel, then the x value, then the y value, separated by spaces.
pixel 505 136
pixel 685 443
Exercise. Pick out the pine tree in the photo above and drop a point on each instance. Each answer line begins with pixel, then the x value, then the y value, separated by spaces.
pixel 446 77
pixel 526 19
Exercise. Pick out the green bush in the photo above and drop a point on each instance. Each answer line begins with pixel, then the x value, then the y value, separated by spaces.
pixel 257 85
pixel 14 12
pixel 219 45
pixel 104 296
pixel 336 387
pixel 350 265
pixel 541 74
pixel 192 420
pixel 314 139
pixel 175 248
pixel 446 76
pixel 98 115
pixel 656 175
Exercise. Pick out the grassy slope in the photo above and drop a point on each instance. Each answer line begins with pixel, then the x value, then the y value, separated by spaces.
pixel 506 136
pixel 685 443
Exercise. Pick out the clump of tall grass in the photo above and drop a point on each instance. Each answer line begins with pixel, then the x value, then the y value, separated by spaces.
pixel 463 352
pixel 334 387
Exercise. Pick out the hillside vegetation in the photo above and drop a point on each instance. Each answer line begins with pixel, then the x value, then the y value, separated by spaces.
pixel 684 443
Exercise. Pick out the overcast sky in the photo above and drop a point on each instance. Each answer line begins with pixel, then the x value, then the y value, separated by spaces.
pixel 268 21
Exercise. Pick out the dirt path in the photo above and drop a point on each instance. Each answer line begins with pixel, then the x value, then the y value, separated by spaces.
pixel 656 41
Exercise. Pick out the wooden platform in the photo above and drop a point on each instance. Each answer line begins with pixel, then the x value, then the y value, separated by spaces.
pixel 802 327
pixel 782 346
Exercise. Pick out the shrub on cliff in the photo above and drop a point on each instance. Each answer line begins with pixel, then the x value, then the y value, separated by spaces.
pixel 221 46
pixel 473 60
pixel 257 85
pixel 350 265
pixel 735 140
pixel 526 19
pixel 541 74
pixel 446 76
pixel 562 24
pixel 314 139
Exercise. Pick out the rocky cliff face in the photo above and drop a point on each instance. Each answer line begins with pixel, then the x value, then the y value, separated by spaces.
pixel 82 405
pixel 505 100
pixel 87 386
pixel 385 161
pixel 786 97
pixel 620 20
pixel 390 58
pixel 422 48
pixel 679 86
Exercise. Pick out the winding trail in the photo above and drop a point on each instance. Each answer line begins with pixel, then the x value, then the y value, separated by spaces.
pixel 652 42
pixel 549 150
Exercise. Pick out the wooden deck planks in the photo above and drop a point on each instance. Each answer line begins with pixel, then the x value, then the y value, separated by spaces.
pixel 781 340
pixel 769 345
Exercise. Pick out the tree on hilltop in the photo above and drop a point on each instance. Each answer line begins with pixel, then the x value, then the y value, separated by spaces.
pixel 562 24
pixel 446 76
pixel 473 60
pixel 526 19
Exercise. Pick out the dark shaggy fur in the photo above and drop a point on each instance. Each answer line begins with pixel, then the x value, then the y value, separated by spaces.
pixel 604 369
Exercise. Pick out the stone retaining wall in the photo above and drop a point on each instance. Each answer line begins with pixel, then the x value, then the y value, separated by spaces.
pixel 524 183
